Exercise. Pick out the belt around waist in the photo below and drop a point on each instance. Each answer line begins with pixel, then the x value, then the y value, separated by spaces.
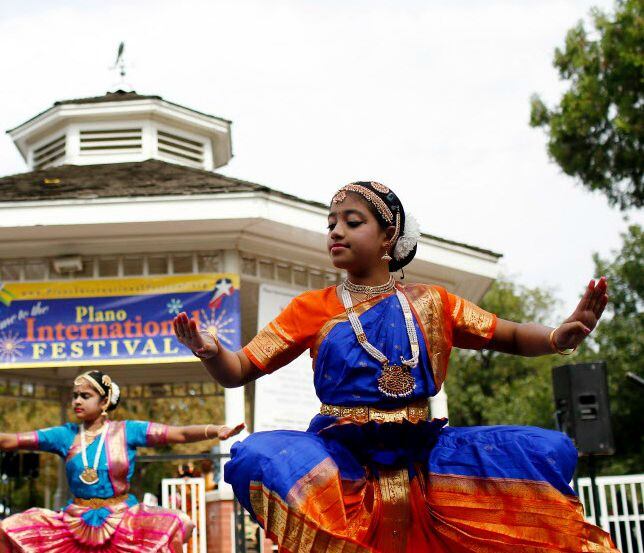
pixel 97 502
pixel 413 412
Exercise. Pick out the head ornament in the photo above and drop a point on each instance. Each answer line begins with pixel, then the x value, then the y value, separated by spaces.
pixel 103 384
pixel 391 212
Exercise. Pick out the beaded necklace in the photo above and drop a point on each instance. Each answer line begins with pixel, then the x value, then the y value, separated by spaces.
pixel 394 380
pixel 89 475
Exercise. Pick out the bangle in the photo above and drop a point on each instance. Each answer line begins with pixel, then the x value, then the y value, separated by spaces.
pixel 205 431
pixel 555 349
pixel 201 356
pixel 213 334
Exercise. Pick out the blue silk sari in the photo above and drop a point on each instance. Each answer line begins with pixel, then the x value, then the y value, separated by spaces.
pixel 374 473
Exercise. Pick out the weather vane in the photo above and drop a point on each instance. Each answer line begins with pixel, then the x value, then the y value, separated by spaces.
pixel 119 63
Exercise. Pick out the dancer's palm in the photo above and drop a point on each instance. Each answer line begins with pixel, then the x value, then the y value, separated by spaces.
pixel 198 341
pixel 585 316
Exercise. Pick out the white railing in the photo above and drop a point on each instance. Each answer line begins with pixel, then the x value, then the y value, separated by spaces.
pixel 621 508
pixel 188 495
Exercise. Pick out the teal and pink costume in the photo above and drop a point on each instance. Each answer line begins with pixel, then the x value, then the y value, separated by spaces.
pixel 103 517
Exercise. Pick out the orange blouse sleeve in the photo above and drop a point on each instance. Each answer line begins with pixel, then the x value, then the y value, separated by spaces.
pixel 285 337
pixel 472 326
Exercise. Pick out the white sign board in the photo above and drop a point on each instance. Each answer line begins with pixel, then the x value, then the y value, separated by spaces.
pixel 284 399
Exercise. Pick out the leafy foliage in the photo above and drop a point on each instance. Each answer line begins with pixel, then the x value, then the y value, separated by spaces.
pixel 487 387
pixel 620 342
pixel 595 133
pixel 492 388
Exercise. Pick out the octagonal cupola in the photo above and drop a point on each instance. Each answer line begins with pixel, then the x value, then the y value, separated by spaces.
pixel 123 127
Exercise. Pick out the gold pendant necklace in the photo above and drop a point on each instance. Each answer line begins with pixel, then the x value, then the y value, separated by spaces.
pixel 394 380
pixel 89 475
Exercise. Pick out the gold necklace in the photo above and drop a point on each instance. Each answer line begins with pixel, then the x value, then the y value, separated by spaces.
pixel 89 475
pixel 369 291
pixel 394 380
pixel 95 432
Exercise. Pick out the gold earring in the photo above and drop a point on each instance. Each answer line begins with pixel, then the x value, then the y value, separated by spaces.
pixel 386 257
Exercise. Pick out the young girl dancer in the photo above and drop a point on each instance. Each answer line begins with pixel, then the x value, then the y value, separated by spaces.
pixel 99 460
pixel 373 472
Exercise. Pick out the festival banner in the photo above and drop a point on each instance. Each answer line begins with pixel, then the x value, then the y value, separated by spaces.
pixel 113 321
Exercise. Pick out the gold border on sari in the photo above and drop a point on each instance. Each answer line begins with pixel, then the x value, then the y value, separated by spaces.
pixel 294 531
pixel 118 462
pixel 270 343
pixel 477 320
pixel 157 434
pixel 428 306
pixel 396 510
pixel 27 440
pixel 511 513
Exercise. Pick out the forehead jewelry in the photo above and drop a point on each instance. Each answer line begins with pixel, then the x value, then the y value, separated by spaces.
pixel 380 187
pixel 89 378
pixel 369 195
pixel 374 200
pixel 106 380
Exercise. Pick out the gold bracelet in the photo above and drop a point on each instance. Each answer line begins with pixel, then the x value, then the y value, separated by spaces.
pixel 205 431
pixel 554 347
pixel 213 334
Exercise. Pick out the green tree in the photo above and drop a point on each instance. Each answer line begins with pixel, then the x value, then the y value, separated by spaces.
pixel 487 387
pixel 619 340
pixel 595 133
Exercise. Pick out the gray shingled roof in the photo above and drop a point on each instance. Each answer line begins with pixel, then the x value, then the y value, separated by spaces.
pixel 117 96
pixel 118 180
pixel 138 179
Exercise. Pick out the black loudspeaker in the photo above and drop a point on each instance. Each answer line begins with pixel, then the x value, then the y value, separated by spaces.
pixel 581 402
pixel 10 464
pixel 30 465
pixel 19 465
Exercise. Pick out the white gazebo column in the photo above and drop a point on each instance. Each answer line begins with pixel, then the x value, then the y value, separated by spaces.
pixel 438 405
pixel 61 495
pixel 234 410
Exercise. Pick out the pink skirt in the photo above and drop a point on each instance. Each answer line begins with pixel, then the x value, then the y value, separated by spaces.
pixel 136 529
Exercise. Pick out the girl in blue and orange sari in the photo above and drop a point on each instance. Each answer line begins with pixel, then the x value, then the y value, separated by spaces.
pixel 99 460
pixel 374 473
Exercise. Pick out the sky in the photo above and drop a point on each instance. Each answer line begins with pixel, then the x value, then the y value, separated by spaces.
pixel 429 97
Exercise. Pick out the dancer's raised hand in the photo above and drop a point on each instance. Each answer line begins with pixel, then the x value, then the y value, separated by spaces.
pixel 225 432
pixel 584 318
pixel 201 343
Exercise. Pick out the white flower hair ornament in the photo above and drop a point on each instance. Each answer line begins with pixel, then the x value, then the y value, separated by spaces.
pixel 116 393
pixel 408 238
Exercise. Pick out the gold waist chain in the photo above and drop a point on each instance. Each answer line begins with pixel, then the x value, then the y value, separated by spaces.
pixel 413 412
pixel 97 502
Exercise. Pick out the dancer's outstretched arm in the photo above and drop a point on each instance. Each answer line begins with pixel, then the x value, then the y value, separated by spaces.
pixel 532 339
pixel 201 432
pixel 176 434
pixel 230 368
